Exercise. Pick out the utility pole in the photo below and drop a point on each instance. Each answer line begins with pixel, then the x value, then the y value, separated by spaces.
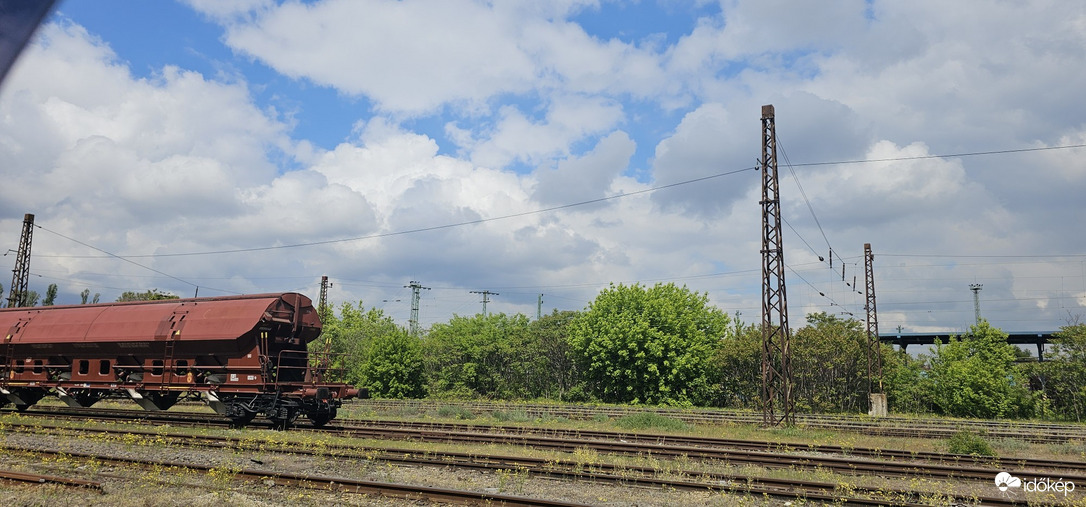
pixel 539 308
pixel 875 394
pixel 20 276
pixel 976 287
pixel 776 337
pixel 415 287
pixel 486 298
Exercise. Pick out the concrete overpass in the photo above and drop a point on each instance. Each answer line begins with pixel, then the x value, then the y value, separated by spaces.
pixel 1036 338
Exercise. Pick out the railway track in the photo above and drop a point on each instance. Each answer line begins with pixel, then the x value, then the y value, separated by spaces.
pixel 834 457
pixel 885 426
pixel 875 462
pixel 728 443
pixel 341 484
pixel 643 476
pixel 32 478
pixel 854 461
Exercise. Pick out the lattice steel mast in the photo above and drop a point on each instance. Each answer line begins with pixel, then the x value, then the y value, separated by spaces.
pixel 20 276
pixel 416 287
pixel 322 305
pixel 874 349
pixel 777 403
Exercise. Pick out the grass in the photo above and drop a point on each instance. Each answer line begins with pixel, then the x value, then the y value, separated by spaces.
pixel 649 421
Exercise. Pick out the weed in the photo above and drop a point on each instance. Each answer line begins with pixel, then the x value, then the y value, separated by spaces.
pixel 649 420
pixel 510 416
pixel 455 412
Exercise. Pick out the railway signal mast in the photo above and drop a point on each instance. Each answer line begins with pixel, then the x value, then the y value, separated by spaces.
pixel 777 403
pixel 20 276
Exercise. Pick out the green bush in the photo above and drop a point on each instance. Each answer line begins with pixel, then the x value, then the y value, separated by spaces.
pixel 965 442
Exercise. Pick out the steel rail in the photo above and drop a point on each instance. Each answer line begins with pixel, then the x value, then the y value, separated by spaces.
pixel 758 454
pixel 33 478
pixel 713 442
pixel 342 484
pixel 735 456
pixel 576 470
pixel 887 426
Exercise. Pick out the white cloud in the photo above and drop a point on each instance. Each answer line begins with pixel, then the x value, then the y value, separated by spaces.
pixel 588 177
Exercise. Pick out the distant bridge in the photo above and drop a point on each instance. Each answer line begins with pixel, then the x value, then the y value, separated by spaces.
pixel 903 340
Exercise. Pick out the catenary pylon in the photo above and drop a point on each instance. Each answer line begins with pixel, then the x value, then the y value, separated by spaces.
pixel 777 403
pixel 20 276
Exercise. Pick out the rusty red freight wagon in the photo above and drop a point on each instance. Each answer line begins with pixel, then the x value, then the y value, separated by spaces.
pixel 244 355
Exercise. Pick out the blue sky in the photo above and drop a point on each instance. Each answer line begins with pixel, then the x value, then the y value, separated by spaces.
pixel 197 127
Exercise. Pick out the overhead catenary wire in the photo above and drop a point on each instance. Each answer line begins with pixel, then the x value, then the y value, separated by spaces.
pixel 584 203
pixel 110 254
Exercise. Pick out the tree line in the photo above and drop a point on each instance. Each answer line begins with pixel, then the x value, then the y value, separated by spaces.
pixel 667 345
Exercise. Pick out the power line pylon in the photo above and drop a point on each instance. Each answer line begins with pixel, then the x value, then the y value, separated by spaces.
pixel 874 347
pixel 20 276
pixel 777 403
pixel 486 297
pixel 416 287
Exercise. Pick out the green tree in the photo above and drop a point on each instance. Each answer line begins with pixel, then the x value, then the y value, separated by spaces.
pixel 150 295
pixel 737 368
pixel 86 294
pixel 829 365
pixel 50 295
pixel 1062 376
pixel 484 355
pixel 551 372
pixel 975 375
pixel 393 367
pixel 349 336
pixel 909 389
pixel 648 345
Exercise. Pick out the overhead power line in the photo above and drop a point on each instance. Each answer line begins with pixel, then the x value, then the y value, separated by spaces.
pixel 564 206
pixel 436 227
pixel 92 247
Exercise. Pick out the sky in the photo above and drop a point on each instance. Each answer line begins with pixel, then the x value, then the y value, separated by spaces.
pixel 219 147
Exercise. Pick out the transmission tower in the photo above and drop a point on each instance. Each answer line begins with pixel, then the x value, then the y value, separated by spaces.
pixel 21 274
pixel 874 350
pixel 416 287
pixel 486 297
pixel 776 337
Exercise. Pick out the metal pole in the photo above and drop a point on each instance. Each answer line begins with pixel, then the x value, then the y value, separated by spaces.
pixel 20 276
pixel 776 336
pixel 976 287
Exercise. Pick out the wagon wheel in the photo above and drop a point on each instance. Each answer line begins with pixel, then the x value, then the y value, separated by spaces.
pixel 243 419
pixel 322 418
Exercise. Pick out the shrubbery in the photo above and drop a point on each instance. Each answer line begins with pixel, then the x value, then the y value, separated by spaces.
pixel 667 345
